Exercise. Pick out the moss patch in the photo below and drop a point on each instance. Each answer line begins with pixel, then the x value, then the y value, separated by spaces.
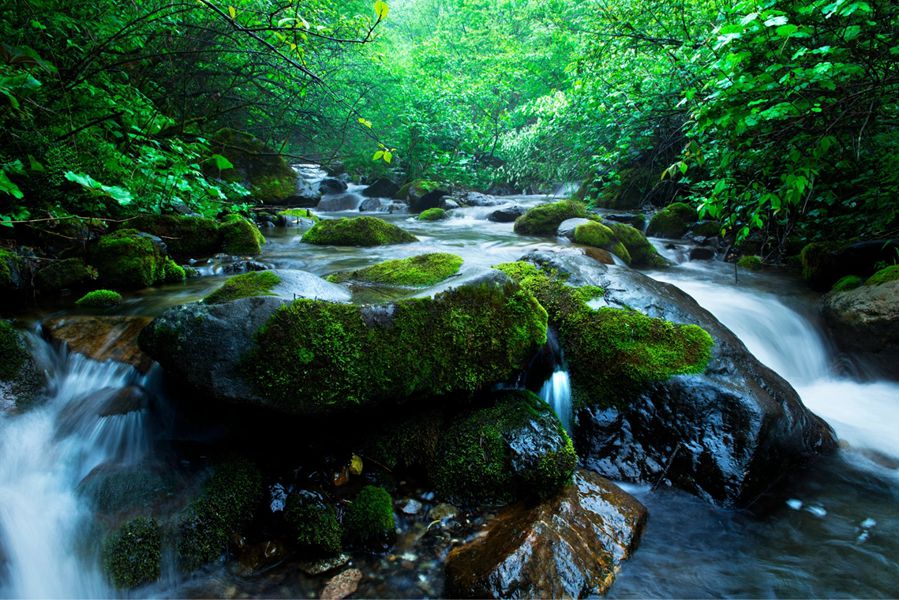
pixel 750 262
pixel 258 166
pixel 241 237
pixel 423 270
pixel 185 237
pixel 885 275
pixel 357 231
pixel 173 272
pixel 313 523
pixel 369 520
pixel 673 221
pixel 129 259
pixel 100 299
pixel 432 214
pixel 410 443
pixel 247 285
pixel 300 214
pixel 612 353
pixel 545 219
pixel 9 270
pixel 643 254
pixel 515 448
pixel 849 282
pixel 318 357
pixel 69 273
pixel 132 555
pixel 600 236
pixel 13 353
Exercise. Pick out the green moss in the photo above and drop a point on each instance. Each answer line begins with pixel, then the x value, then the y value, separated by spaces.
pixel 612 353
pixel 641 251
pixel 261 168
pixel 750 262
pixel 422 270
pixel 490 455
pixel 100 299
pixel 546 218
pixel 319 357
pixel 885 275
pixel 673 221
pixel 129 259
pixel 228 501
pixel 849 282
pixel 241 237
pixel 9 269
pixel 132 555
pixel 600 236
pixel 409 443
pixel 818 261
pixel 314 523
pixel 707 229
pixel 272 188
pixel 247 285
pixel 173 272
pixel 184 236
pixel 369 520
pixel 13 353
pixel 432 214
pixel 300 214
pixel 357 231
pixel 69 273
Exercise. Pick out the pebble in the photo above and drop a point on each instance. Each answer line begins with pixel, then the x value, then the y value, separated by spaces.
pixel 412 507
pixel 324 565
pixel 342 585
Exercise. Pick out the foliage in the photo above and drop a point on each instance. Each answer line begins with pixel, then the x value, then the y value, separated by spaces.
pixel 247 285
pixel 750 262
pixel 422 270
pixel 673 221
pixel 100 299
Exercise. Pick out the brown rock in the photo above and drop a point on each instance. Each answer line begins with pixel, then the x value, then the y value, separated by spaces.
pixel 568 546
pixel 600 255
pixel 866 321
pixel 342 585
pixel 102 338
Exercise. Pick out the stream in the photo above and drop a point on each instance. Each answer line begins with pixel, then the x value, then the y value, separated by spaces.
pixel 832 531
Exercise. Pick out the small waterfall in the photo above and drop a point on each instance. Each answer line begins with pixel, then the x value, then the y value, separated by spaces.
pixel 557 393
pixel 46 452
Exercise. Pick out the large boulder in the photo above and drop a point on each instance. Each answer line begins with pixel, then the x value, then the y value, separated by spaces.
pixel 570 546
pixel 332 185
pixel 546 218
pixel 315 357
pixel 506 215
pixel 185 236
pixel 724 432
pixel 824 263
pixel 428 201
pixel 20 379
pixel 357 231
pixel 673 221
pixel 381 188
pixel 101 338
pixel 130 259
pixel 287 284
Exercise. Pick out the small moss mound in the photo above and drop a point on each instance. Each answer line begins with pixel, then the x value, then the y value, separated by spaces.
pixel 241 237
pixel 247 285
pixel 612 353
pixel 545 219
pixel 100 299
pixel 173 272
pixel 423 270
pixel 885 275
pixel 357 231
pixel 69 273
pixel 314 523
pixel 13 353
pixel 643 254
pixel 600 236
pixel 673 221
pixel 227 502
pixel 849 282
pixel 129 259
pixel 369 520
pixel 132 555
pixel 432 214
pixel 515 448
pixel 184 236
pixel 750 262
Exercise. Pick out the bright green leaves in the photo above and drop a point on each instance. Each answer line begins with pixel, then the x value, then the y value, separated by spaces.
pixel 8 187
pixel 381 10
pixel 119 194
pixel 232 12
pixel 385 154
pixel 365 122
pixel 221 163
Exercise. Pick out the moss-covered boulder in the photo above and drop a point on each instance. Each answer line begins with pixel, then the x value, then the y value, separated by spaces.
pixel 247 285
pixel 357 231
pixel 514 448
pixel 65 274
pixel 262 169
pixel 673 221
pixel 313 357
pixel 20 381
pixel 129 259
pixel 643 254
pixel 313 523
pixel 422 270
pixel 228 501
pixel 100 299
pixel 286 284
pixel 750 262
pixel 432 214
pixel 241 237
pixel 185 236
pixel 369 520
pixel 132 556
pixel 173 272
pixel 546 218
pixel 600 236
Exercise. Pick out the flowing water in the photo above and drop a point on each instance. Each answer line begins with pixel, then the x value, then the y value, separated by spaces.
pixel 835 532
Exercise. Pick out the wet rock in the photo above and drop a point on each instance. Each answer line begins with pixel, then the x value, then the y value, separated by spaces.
pixel 443 512
pixel 411 507
pixel 342 585
pixel 426 201
pixel 254 558
pixel 725 434
pixel 310 200
pixel 124 400
pixel 21 381
pixel 506 215
pixel 450 204
pixel 702 253
pixel 235 266
pixel 567 227
pixel 342 202
pixel 637 220
pixel 102 338
pixel 332 185
pixel 381 188
pixel 600 255
pixel 320 567
pixel 569 546
pixel 478 199
pixel 371 205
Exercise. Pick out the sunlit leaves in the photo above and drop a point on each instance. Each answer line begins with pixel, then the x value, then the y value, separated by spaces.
pixel 381 10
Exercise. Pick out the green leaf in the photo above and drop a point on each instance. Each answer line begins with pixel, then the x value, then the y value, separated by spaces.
pixel 221 163
pixel 365 122
pixel 388 156
pixel 381 9
pixel 233 12
pixel 378 155
pixel 10 188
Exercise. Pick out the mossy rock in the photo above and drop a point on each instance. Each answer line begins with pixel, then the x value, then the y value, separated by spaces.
pixel 750 262
pixel 707 229
pixel 642 253
pixel 247 285
pixel 21 382
pixel 516 448
pixel 314 524
pixel 228 501
pixel 261 168
pixel 849 282
pixel 612 353
pixel 100 299
pixel 884 275
pixel 129 259
pixel 546 218
pixel 65 274
pixel 673 221
pixel 410 443
pixel 13 353
pixel 10 271
pixel 173 272
pixel 600 236
pixel 241 237
pixel 316 357
pixel 422 270
pixel 369 520
pixel 132 556
pixel 432 214
pixel 184 236
pixel 357 231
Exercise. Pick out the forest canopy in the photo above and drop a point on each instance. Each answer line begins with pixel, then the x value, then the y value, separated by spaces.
pixel 776 118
